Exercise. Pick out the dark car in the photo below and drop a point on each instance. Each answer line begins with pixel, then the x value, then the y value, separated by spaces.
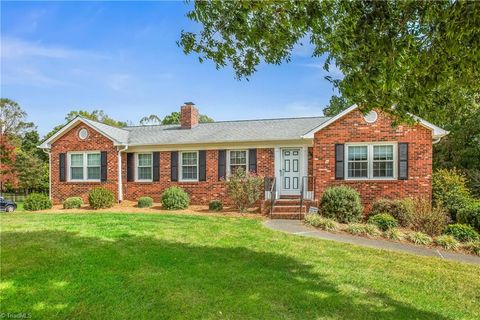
pixel 7 205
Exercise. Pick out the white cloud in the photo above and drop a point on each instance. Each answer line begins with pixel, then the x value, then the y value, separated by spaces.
pixel 22 75
pixel 333 70
pixel 16 48
pixel 118 81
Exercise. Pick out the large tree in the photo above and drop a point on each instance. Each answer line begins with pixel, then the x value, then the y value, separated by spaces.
pixel 391 53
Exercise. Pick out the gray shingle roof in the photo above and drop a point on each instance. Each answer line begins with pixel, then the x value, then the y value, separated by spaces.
pixel 224 131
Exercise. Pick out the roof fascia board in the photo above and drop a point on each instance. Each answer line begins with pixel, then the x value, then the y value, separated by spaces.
pixel 48 143
pixel 437 132
pixel 310 134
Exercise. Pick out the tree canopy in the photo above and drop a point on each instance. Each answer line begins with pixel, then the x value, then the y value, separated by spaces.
pixel 407 54
pixel 174 118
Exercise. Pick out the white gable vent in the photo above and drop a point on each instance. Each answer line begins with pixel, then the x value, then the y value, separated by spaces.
pixel 83 134
pixel 371 117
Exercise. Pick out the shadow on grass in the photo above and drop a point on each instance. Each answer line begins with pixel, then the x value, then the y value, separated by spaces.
pixel 61 274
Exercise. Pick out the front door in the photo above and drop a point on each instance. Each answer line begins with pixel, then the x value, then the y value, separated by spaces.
pixel 291 171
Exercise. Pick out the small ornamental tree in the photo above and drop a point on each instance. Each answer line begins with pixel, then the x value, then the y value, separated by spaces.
pixel 244 189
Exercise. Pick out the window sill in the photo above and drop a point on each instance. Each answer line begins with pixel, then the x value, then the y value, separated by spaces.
pixel 372 180
pixel 83 181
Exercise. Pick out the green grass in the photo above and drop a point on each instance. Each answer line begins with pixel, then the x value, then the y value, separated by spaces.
pixel 149 266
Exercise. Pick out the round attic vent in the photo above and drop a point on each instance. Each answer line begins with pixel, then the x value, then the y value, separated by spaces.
pixel 83 134
pixel 371 117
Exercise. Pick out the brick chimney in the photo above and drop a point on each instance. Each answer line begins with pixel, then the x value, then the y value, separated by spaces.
pixel 188 116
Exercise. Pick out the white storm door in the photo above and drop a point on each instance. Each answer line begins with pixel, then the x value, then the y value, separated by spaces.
pixel 291 162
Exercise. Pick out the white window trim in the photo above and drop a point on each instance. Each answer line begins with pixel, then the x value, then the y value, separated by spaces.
pixel 228 160
pixel 85 166
pixel 136 167
pixel 180 166
pixel 370 146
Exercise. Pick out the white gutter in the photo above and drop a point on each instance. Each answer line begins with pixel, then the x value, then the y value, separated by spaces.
pixel 120 187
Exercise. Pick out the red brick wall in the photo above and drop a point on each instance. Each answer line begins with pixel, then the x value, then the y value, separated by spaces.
pixel 94 142
pixel 353 128
pixel 200 192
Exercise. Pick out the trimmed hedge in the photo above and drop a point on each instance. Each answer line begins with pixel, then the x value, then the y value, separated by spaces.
pixel 100 198
pixel 470 215
pixel 215 205
pixel 145 202
pixel 72 203
pixel 462 232
pixel 341 203
pixel 37 201
pixel 175 198
pixel 383 221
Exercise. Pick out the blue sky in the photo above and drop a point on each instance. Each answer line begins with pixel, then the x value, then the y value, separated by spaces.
pixel 122 58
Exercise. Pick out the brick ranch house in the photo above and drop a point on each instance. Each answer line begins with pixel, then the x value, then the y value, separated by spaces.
pixel 298 156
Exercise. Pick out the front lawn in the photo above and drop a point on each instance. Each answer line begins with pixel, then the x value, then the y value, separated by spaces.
pixel 143 266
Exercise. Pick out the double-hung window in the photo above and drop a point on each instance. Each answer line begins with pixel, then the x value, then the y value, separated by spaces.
pixel 84 166
pixel 370 161
pixel 144 166
pixel 189 166
pixel 237 159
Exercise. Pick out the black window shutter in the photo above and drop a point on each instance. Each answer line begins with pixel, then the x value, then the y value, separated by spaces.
pixel 63 167
pixel 130 166
pixel 339 161
pixel 174 166
pixel 252 160
pixel 156 166
pixel 202 165
pixel 222 164
pixel 403 161
pixel 103 167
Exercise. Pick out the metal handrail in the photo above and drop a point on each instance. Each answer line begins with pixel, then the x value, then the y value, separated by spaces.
pixel 273 194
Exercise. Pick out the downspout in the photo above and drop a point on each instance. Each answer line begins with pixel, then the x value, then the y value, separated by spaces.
pixel 436 140
pixel 120 187
pixel 48 151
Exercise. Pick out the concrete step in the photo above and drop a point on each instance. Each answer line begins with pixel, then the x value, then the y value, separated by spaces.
pixel 287 215
pixel 290 197
pixel 288 202
pixel 285 208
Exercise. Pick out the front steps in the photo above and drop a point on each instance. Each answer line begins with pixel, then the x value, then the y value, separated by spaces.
pixel 288 207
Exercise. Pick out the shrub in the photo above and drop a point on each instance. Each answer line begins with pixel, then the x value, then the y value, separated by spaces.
pixel 394 234
pixel 470 215
pixel 448 242
pixel 175 198
pixel 449 189
pixel 244 189
pixel 431 221
pixel 72 203
pixel 215 205
pixel 419 238
pixel 321 222
pixel 100 198
pixel 399 209
pixel 383 221
pixel 462 232
pixel 145 202
pixel 37 201
pixel 472 247
pixel 363 229
pixel 341 203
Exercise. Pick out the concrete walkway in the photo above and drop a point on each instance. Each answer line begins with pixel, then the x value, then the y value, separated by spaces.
pixel 299 228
